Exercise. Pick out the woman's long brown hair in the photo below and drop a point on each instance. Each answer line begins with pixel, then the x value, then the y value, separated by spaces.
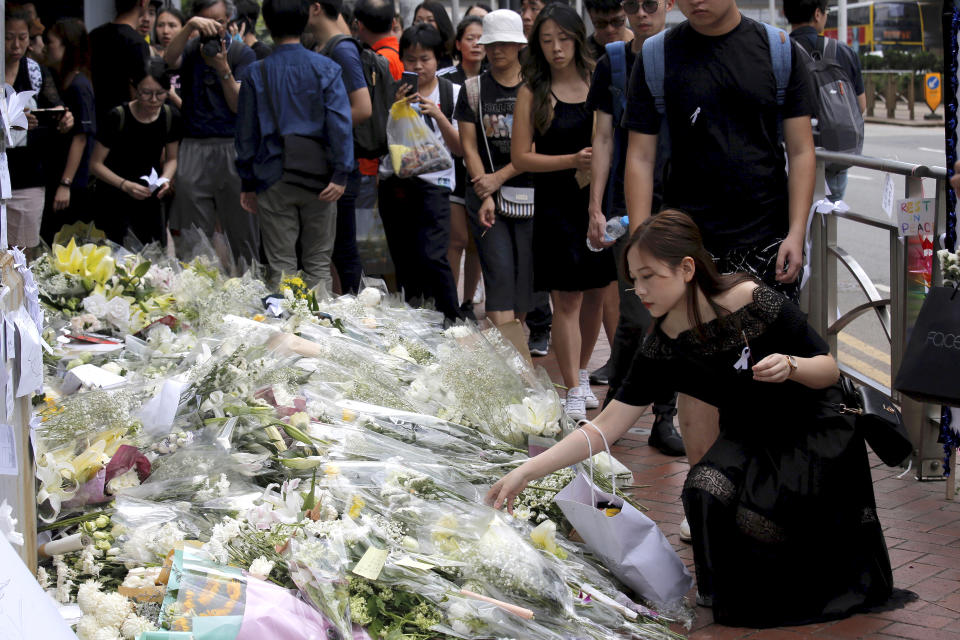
pixel 536 68
pixel 670 236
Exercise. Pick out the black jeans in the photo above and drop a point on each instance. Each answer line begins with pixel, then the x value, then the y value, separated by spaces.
pixel 346 256
pixel 540 319
pixel 416 220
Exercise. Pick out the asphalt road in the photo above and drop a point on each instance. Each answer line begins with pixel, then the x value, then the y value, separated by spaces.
pixel 863 345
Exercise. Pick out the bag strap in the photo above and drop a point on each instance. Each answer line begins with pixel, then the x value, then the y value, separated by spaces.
pixel 830 50
pixel 332 44
pixel 480 129
pixel 617 54
pixel 654 68
pixel 781 57
pixel 167 119
pixel 593 488
pixel 446 97
pixel 123 117
pixel 472 87
pixel 613 481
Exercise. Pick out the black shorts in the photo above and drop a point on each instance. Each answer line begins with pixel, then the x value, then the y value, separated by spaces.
pixel 760 261
pixel 460 171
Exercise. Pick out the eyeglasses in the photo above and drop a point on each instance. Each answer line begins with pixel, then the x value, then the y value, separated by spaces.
pixel 155 95
pixel 632 6
pixel 616 23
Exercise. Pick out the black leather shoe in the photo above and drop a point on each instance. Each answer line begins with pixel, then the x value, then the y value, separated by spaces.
pixel 664 436
pixel 601 375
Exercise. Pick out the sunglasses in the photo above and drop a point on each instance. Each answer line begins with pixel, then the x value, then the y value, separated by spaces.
pixel 616 23
pixel 632 6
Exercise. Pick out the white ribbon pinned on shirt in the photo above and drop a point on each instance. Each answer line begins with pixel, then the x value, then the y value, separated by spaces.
pixel 744 362
pixel 825 207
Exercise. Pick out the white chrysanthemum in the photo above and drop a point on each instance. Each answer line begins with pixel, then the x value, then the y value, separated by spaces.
pixel 370 297
pixel 63 591
pixel 261 568
pixel 43 578
pixel 87 628
pixel 134 625
pixel 113 609
pixel 106 633
pixel 88 561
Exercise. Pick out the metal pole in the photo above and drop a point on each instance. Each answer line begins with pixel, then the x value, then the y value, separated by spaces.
pixel 842 21
pixel 772 8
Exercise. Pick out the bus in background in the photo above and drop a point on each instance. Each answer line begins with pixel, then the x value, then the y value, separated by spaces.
pixel 885 24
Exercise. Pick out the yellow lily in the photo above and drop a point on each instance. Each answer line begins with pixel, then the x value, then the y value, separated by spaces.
pixel 102 270
pixel 68 259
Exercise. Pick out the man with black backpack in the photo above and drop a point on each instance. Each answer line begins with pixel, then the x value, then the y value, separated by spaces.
pixel 837 82
pixel 366 76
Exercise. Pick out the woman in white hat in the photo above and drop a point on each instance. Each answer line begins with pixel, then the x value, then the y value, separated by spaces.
pixel 499 198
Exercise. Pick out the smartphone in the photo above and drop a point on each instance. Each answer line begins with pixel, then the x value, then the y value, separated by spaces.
pixel 412 80
pixel 49 117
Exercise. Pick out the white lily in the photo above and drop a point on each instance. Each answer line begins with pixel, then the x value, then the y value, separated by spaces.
pixel 537 415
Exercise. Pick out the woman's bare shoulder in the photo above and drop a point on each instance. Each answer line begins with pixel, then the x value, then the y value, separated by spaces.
pixel 740 295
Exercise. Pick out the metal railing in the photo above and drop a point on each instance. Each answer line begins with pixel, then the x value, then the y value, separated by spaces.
pixel 896 318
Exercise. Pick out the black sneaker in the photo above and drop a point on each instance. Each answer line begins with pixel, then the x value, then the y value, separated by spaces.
pixel 601 375
pixel 467 310
pixel 664 436
pixel 539 343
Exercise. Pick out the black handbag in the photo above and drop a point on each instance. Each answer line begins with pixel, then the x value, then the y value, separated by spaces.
pixel 930 368
pixel 878 421
pixel 305 163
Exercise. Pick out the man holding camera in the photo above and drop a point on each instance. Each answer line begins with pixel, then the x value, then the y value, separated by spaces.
pixel 208 187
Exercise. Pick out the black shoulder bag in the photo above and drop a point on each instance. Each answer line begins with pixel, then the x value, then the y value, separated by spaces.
pixel 305 163
pixel 878 421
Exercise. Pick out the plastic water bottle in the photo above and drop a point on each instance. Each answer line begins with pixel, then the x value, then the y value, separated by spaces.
pixel 615 228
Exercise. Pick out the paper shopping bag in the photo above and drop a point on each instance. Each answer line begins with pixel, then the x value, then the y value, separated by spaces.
pixel 930 369
pixel 630 544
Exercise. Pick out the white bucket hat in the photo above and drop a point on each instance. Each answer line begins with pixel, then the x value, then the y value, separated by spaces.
pixel 502 25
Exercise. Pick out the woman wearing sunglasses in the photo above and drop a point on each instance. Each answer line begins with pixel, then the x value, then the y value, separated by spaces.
pixel 137 138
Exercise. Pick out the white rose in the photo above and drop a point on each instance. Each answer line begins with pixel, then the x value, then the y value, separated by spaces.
pixel 261 568
pixel 96 305
pixel 118 313
pixel 370 297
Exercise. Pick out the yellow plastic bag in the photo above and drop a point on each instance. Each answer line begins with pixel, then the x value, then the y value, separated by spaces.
pixel 414 148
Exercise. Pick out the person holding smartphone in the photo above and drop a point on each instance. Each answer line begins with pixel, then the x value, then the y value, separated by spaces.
pixel 29 152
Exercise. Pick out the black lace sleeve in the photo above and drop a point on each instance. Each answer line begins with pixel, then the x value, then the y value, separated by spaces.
pixel 48 95
pixel 798 337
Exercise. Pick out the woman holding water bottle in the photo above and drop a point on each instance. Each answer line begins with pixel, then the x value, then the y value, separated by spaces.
pixel 552 113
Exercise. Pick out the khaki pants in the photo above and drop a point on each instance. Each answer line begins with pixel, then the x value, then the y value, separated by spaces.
pixel 289 213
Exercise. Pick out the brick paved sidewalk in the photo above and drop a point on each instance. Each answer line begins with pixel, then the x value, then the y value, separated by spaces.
pixel 921 528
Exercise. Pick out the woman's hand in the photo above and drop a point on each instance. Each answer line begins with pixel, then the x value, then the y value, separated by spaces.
pixel 597 230
pixel 583 159
pixel 62 198
pixel 135 190
pixel 402 92
pixel 486 185
pixel 428 108
pixel 66 122
pixel 487 213
pixel 32 122
pixel 773 368
pixel 506 489
pixel 164 189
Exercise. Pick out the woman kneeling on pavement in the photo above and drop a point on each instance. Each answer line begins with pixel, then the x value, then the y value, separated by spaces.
pixel 781 507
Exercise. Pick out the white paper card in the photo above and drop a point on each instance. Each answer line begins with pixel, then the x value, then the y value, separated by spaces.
pixel 89 376
pixel 25 610
pixel 157 415
pixel 887 195
pixel 8 451
pixel 5 190
pixel 31 355
pixel 915 217
pixel 10 333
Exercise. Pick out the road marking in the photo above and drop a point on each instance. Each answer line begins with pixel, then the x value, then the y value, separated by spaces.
pixel 864 348
pixel 931 150
pixel 862 367
pixel 856 177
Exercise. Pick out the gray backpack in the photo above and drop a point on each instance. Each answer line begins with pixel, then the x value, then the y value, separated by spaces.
pixel 839 125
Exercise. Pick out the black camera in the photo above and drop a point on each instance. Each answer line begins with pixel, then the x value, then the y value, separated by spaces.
pixel 210 46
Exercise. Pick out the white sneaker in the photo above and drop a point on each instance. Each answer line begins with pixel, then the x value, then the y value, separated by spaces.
pixel 685 531
pixel 479 295
pixel 589 400
pixel 574 405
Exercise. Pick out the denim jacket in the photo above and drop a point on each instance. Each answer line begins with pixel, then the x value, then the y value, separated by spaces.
pixel 310 100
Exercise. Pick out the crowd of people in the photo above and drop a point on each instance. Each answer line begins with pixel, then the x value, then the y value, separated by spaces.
pixel 157 122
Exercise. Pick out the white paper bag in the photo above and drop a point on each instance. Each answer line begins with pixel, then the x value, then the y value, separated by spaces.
pixel 630 544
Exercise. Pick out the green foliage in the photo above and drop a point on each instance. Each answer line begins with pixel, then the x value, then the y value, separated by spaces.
pixel 901 60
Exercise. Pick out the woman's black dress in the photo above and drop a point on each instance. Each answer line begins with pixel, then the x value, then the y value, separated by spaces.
pixel 781 508
pixel 561 259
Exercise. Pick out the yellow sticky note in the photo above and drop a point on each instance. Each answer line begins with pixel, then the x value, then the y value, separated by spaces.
pixel 407 561
pixel 371 564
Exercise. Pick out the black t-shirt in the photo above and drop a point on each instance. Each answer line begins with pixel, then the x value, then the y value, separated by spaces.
pixel 29 159
pixel 807 38
pixel 78 98
pixel 137 147
pixel 601 98
pixel 496 104
pixel 118 60
pixel 727 164
pixel 261 49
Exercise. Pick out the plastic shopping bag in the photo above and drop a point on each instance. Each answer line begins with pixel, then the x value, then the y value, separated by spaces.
pixel 414 148
pixel 630 544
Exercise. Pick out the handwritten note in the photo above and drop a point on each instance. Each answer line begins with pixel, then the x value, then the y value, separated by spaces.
pixel 31 354
pixel 8 451
pixel 887 195
pixel 915 217
pixel 371 564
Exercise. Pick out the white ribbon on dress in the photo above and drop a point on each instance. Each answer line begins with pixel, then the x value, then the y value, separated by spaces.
pixel 822 206
pixel 744 362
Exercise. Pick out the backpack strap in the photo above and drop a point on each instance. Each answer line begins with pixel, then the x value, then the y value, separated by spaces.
pixel 782 59
pixel 167 119
pixel 446 98
pixel 654 68
pixel 617 54
pixel 122 115
pixel 830 50
pixel 386 46
pixel 332 44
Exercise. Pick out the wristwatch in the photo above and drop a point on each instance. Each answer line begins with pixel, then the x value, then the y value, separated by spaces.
pixel 65 182
pixel 792 363
pixel 226 76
